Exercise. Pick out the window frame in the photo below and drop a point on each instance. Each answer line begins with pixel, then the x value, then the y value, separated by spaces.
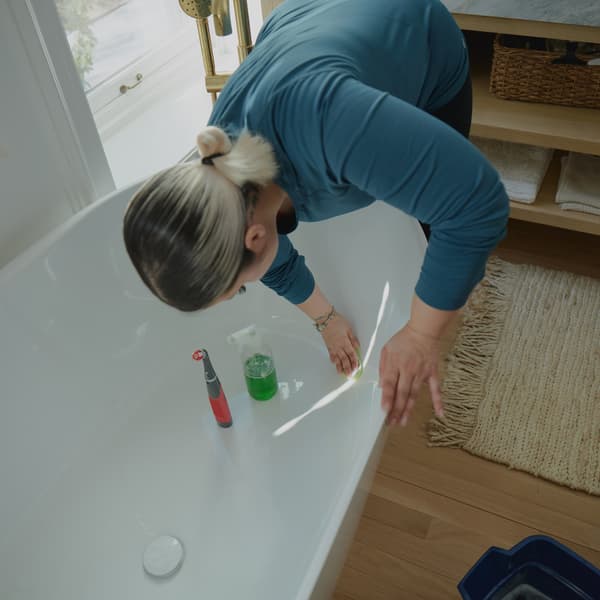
pixel 51 59
pixel 84 125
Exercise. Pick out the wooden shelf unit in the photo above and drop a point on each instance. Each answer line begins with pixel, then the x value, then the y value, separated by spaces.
pixel 548 125
pixel 545 210
pixel 552 126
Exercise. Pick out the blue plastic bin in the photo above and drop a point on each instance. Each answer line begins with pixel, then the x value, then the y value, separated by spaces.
pixel 538 568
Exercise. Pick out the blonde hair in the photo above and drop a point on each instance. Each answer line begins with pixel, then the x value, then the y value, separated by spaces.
pixel 184 228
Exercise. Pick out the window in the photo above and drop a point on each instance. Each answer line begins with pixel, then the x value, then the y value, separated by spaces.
pixel 116 43
pixel 141 67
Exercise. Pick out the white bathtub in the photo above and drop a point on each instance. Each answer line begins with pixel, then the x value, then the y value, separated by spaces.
pixel 107 439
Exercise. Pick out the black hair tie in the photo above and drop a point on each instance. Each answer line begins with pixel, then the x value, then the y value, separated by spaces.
pixel 209 160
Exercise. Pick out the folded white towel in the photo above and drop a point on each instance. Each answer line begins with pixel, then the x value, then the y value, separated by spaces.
pixel 579 183
pixel 521 167
pixel 580 207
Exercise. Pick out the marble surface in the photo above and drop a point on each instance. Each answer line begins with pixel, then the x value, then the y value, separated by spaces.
pixel 572 12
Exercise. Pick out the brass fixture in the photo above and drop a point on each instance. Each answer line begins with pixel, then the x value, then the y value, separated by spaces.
pixel 138 79
pixel 201 10
pixel 221 17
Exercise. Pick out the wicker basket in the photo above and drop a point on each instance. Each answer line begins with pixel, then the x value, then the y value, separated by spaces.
pixel 531 76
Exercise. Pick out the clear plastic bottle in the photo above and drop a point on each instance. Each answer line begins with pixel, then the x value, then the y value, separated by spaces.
pixel 257 362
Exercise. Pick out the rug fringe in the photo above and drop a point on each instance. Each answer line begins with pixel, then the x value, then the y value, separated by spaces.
pixel 468 362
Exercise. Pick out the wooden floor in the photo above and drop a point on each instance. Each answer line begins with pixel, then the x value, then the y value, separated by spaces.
pixel 432 512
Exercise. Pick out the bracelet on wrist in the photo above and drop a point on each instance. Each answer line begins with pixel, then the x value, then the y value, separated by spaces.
pixel 322 322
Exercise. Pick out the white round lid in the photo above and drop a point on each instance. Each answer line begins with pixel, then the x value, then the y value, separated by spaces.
pixel 163 556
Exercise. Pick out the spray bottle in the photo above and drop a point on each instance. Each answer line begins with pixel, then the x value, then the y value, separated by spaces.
pixel 257 362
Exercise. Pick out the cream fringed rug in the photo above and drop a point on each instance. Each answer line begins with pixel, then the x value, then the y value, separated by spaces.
pixel 522 384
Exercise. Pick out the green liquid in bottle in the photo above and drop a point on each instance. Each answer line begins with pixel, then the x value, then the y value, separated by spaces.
pixel 261 379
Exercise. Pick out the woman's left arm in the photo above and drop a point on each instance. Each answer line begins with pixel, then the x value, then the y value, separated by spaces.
pixel 398 153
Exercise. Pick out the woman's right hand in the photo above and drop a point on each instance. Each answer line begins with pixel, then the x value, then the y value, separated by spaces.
pixel 408 360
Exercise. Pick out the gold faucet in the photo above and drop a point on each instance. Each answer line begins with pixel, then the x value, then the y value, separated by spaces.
pixel 201 10
pixel 222 18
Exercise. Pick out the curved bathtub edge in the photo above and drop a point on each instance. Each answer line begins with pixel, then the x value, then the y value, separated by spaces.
pixel 41 246
pixel 322 574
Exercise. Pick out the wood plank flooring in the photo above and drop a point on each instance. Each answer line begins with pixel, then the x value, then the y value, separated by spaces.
pixel 432 512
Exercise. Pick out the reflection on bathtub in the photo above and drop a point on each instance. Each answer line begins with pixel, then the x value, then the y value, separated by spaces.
pixel 49 270
pixel 331 396
pixel 284 390
pixel 137 340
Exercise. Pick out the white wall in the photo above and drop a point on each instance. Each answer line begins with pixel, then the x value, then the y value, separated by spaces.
pixel 44 176
pixel 51 158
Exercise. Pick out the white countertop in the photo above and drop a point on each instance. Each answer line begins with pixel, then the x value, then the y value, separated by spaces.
pixel 571 12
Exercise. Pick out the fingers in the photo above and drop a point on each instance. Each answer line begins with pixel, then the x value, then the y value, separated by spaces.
pixel 388 384
pixel 436 395
pixel 415 390
pixel 407 412
pixel 350 354
pixel 403 393
pixel 337 363
pixel 345 360
pixel 352 347
pixel 406 398
pixel 382 364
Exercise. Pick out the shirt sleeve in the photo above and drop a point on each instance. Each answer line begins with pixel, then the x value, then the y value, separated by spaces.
pixel 288 275
pixel 398 153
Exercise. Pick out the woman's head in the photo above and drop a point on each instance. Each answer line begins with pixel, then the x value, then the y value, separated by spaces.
pixel 186 228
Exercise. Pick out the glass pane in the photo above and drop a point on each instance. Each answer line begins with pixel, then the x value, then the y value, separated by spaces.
pixel 106 36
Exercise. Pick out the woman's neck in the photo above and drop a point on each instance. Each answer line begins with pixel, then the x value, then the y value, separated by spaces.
pixel 286 216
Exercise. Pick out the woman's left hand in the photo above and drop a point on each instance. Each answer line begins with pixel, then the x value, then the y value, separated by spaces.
pixel 342 344
pixel 408 360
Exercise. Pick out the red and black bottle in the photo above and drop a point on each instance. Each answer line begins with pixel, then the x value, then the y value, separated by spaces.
pixel 216 395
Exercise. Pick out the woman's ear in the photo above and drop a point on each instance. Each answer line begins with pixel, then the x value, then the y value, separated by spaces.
pixel 255 238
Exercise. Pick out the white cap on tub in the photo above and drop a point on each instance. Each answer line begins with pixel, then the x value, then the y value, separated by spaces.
pixel 163 556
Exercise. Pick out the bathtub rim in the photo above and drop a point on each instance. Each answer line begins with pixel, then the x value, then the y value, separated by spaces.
pixel 46 242
pixel 342 506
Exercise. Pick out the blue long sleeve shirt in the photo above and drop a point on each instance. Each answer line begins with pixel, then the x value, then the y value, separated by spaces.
pixel 342 90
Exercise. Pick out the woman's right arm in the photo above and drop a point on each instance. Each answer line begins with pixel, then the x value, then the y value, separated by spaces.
pixel 289 276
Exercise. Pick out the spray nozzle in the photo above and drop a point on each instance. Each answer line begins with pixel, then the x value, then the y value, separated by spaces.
pixel 242 336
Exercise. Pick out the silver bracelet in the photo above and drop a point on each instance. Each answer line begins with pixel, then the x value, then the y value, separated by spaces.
pixel 322 322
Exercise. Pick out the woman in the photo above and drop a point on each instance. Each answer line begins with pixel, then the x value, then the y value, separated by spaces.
pixel 340 103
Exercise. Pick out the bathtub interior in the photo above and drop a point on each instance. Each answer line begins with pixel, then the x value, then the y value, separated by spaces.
pixel 107 439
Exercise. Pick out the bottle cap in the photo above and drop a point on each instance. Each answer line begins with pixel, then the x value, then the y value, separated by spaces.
pixel 243 335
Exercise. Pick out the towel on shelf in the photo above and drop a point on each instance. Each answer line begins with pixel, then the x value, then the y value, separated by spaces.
pixel 521 167
pixel 579 183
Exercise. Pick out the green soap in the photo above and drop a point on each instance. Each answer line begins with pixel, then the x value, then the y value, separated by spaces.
pixel 261 378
